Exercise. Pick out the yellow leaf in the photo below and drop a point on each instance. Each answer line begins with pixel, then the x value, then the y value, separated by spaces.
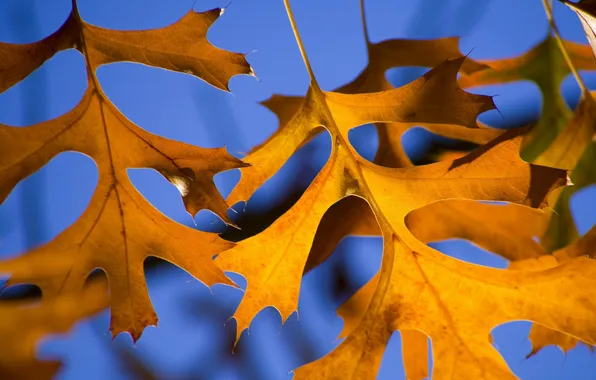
pixel 274 260
pixel 383 56
pixel 182 47
pixel 119 229
pixel 457 304
pixel 414 354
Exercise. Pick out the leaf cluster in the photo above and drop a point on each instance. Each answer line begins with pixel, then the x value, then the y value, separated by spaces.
pixel 535 169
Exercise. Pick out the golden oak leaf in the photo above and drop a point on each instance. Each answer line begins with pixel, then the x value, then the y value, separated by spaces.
pixel 415 290
pixel 542 336
pixel 457 305
pixel 415 103
pixel 544 65
pixel 507 230
pixel 120 229
pixel 414 343
pixel 383 56
pixel 23 324
pixel 489 173
pixel 182 47
pixel 273 261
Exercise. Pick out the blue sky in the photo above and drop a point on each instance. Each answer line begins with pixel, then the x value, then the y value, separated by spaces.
pixel 193 337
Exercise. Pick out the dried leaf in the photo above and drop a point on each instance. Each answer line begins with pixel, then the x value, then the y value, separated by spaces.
pixel 383 56
pixel 182 47
pixel 273 273
pixel 415 288
pixel 119 229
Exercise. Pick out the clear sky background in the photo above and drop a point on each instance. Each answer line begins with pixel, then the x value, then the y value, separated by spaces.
pixel 193 339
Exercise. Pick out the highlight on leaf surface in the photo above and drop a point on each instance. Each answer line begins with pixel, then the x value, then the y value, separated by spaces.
pixel 119 229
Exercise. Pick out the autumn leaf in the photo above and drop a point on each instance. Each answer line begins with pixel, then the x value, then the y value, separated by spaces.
pixel 415 290
pixel 181 47
pixel 383 56
pixel 418 291
pixel 270 258
pixel 508 230
pixel 541 336
pixel 120 229
pixel 24 323
pixel 560 137
pixel 544 65
pixel 571 150
pixel 274 270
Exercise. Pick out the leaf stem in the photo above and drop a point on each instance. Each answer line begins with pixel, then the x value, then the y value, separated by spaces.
pixel 551 20
pixel 299 41
pixel 363 16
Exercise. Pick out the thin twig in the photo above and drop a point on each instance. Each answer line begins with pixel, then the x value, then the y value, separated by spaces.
pixel 551 20
pixel 364 27
pixel 299 41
